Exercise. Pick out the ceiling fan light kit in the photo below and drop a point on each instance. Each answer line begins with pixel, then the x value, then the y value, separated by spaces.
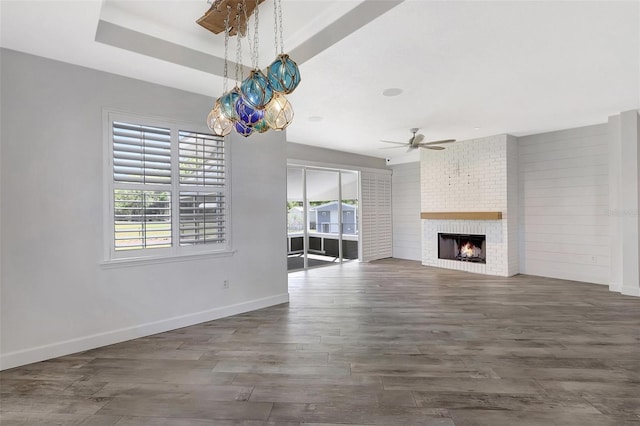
pixel 258 102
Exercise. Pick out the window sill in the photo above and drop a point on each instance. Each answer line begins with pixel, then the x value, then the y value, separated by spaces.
pixel 141 261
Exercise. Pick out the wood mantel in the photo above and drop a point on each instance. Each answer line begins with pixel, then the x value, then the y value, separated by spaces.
pixel 462 215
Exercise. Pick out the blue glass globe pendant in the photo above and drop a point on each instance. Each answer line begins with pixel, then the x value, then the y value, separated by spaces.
pixel 243 129
pixel 283 74
pixel 256 89
pixel 247 114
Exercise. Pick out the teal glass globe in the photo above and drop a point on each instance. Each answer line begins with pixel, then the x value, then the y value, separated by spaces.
pixel 283 74
pixel 261 126
pixel 256 89
pixel 228 104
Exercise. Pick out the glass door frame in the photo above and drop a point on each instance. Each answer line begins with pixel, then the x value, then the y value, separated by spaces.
pixel 305 206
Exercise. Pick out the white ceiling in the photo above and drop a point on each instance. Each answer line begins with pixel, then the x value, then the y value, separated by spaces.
pixel 467 69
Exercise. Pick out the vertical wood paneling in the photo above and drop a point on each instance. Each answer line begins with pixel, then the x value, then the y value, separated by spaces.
pixel 405 201
pixel 563 197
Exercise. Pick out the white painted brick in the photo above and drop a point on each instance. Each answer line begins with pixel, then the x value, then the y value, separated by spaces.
pixel 472 176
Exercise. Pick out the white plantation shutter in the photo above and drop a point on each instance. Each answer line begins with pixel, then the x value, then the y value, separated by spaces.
pixel 141 154
pixel 201 159
pixel 202 218
pixel 375 204
pixel 168 189
pixel 202 189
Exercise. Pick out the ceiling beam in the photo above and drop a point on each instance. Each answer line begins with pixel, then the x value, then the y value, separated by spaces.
pixel 134 41
pixel 347 24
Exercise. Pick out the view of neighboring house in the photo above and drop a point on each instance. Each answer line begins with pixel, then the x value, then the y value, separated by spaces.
pixel 325 218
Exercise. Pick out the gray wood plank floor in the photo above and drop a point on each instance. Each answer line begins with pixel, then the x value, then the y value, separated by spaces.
pixel 389 342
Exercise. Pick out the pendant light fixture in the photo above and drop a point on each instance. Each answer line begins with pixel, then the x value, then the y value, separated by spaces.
pixel 257 103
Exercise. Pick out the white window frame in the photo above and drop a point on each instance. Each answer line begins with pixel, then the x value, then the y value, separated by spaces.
pixel 176 251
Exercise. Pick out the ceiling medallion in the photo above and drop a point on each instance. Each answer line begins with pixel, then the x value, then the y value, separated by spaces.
pixel 257 103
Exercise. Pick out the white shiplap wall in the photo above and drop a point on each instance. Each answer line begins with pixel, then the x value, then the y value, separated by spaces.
pixel 405 196
pixel 563 197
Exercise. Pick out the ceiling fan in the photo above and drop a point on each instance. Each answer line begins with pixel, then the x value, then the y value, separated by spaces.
pixel 416 142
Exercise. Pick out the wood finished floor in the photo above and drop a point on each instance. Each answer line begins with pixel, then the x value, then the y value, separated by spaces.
pixel 390 342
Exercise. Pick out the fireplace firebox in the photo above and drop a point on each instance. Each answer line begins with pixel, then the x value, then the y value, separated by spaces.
pixel 462 247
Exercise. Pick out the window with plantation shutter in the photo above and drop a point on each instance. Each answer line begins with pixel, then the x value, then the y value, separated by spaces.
pixel 167 189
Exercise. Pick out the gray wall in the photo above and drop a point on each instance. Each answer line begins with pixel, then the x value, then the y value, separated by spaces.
pixel 57 297
pixel 314 154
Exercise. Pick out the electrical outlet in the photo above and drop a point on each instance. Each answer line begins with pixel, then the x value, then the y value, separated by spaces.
pixel 225 284
pixel 594 259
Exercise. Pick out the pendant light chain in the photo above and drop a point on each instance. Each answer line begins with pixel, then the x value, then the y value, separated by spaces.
pixel 256 39
pixel 239 67
pixel 247 30
pixel 279 4
pixel 225 86
pixel 275 25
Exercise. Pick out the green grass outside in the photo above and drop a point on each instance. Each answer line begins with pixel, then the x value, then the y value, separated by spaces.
pixel 128 236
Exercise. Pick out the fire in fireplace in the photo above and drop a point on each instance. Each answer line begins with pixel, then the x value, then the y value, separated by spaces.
pixel 465 248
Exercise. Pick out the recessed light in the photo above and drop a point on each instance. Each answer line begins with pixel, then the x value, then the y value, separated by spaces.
pixel 392 91
pixel 477 128
pixel 315 118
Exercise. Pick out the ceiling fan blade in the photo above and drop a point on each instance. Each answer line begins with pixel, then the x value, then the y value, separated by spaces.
pixel 397 143
pixel 438 142
pixel 435 148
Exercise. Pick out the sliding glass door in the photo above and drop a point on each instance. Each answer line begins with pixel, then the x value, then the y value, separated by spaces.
pixel 322 216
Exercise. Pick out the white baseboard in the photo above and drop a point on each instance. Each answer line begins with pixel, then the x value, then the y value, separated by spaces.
pixel 53 350
pixel 630 291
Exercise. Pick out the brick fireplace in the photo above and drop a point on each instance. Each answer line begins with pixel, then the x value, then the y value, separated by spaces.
pixel 471 188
